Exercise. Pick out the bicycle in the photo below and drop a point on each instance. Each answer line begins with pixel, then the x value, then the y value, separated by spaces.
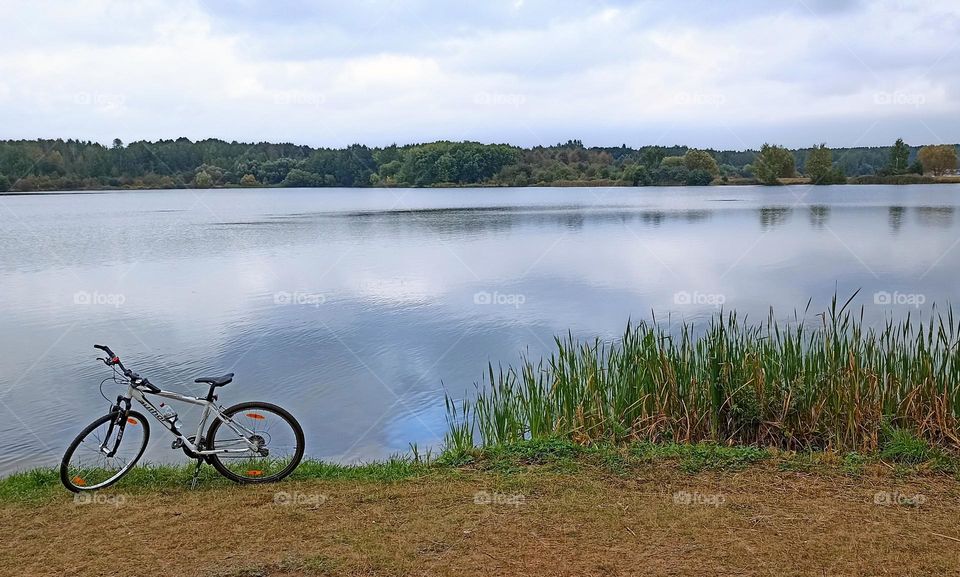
pixel 252 442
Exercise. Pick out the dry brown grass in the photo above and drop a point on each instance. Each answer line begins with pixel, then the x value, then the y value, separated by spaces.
pixel 588 523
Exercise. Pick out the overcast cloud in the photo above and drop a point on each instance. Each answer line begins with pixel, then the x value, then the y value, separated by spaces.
pixel 526 72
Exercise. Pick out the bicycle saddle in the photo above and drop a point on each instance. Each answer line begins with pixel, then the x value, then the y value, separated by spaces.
pixel 216 381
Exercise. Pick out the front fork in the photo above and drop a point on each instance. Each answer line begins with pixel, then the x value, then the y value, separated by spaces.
pixel 122 409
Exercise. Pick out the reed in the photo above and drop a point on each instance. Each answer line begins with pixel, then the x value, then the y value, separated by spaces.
pixel 827 383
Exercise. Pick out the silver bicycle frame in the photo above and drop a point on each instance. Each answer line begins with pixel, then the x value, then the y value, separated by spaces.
pixel 209 408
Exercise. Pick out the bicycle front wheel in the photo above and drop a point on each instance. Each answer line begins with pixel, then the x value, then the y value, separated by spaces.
pixel 88 465
pixel 260 443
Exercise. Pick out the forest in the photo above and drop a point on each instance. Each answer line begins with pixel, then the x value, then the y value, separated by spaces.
pixel 41 165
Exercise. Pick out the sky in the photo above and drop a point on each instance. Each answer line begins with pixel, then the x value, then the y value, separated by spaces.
pixel 526 72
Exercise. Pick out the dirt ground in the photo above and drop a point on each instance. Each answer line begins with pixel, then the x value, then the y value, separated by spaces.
pixel 652 522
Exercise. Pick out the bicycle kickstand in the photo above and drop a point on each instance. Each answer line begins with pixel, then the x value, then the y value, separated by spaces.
pixel 196 474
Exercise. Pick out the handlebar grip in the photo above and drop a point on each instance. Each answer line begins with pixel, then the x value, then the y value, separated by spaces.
pixel 112 359
pixel 105 349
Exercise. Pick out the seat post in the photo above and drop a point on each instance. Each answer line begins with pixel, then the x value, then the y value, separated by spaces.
pixel 210 396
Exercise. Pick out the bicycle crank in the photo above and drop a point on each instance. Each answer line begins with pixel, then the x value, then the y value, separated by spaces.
pixel 179 444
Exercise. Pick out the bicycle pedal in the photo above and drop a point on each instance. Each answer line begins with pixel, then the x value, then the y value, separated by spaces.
pixel 176 444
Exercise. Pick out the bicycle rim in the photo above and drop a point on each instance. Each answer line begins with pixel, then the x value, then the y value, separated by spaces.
pixel 275 436
pixel 86 467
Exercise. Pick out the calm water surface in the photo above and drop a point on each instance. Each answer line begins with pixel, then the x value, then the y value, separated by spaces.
pixel 357 309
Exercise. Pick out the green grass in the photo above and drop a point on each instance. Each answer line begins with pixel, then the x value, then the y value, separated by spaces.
pixel 512 462
pixel 697 457
pixel 827 384
pixel 902 446
pixel 41 484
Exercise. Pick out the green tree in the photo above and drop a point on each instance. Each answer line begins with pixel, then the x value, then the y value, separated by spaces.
pixel 938 159
pixel 699 177
pixel 202 180
pixel 215 172
pixel 637 175
pixel 701 160
pixel 274 171
pixel 652 156
pixel 672 162
pixel 819 166
pixel 772 163
pixel 51 164
pixel 247 166
pixel 674 175
pixel 729 170
pixel 298 178
pixel 447 168
pixel 4 183
pixel 117 144
pixel 899 158
pixel 390 168
pixel 248 180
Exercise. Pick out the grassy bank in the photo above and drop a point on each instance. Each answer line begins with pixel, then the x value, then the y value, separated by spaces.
pixel 44 483
pixel 830 383
pixel 541 507
pixel 902 457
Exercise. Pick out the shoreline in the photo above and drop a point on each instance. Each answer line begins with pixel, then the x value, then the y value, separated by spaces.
pixel 576 184
pixel 42 484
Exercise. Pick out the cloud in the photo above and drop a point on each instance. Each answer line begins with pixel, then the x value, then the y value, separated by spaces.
pixel 527 72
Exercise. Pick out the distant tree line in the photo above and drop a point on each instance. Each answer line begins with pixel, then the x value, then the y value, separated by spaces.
pixel 32 165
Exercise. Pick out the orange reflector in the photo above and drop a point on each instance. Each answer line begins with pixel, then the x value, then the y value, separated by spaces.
pixel 257 416
pixel 254 473
pixel 132 421
pixel 79 481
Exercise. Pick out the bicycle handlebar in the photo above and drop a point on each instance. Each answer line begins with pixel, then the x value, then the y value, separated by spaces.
pixel 136 379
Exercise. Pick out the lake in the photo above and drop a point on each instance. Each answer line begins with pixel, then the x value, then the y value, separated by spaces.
pixel 357 309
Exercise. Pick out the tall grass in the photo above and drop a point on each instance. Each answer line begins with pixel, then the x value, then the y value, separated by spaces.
pixel 828 383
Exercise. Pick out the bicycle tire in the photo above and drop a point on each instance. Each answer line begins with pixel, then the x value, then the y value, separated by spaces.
pixel 224 470
pixel 70 480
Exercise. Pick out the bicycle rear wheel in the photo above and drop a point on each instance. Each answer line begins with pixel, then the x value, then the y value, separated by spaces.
pixel 85 467
pixel 267 440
